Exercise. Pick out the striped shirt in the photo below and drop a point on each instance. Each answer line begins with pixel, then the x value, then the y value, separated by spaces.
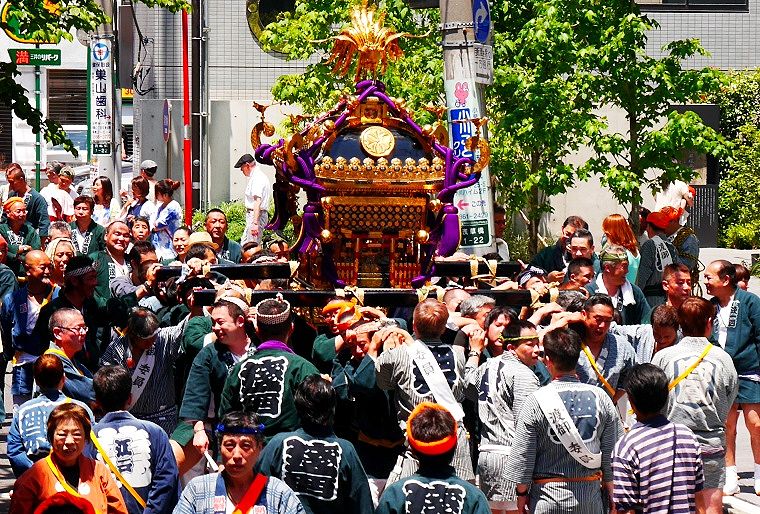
pixel 657 468
pixel 397 372
pixel 198 497
pixel 615 359
pixel 159 392
pixel 499 404
pixel 537 453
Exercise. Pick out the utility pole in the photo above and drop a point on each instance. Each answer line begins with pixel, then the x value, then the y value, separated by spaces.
pixel 462 35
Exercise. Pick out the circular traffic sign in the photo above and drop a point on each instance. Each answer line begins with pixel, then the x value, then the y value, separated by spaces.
pixel 481 18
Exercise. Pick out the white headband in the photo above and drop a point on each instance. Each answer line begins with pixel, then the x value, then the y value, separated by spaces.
pixel 237 301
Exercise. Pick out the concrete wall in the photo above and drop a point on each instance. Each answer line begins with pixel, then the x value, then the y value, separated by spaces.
pixel 230 124
pixel 590 199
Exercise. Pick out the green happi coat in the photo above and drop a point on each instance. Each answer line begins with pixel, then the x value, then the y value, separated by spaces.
pixel 107 271
pixel 26 236
pixel 94 238
pixel 433 491
pixel 264 383
pixel 208 373
pixel 336 480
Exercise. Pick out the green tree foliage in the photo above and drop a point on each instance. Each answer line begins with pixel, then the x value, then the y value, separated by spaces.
pixel 306 34
pixel 556 61
pixel 739 101
pixel 646 87
pixel 48 20
pixel 542 102
pixel 738 194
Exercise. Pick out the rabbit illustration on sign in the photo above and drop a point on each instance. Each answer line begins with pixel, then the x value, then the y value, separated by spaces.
pixel 461 92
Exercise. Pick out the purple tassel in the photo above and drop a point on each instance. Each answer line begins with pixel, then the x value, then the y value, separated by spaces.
pixel 448 232
pixel 310 230
pixel 426 265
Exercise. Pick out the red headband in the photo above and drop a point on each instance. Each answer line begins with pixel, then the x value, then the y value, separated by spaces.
pixel 432 447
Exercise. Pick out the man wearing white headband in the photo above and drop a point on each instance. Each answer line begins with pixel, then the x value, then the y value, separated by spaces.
pixel 149 352
pixel 264 382
pixel 225 346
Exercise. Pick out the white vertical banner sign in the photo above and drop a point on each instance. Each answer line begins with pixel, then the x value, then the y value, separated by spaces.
pixel 475 203
pixel 101 95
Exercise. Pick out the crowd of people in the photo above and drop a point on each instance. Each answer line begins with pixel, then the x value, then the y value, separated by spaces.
pixel 621 391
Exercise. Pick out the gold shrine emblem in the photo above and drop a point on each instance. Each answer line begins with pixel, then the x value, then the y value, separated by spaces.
pixel 377 141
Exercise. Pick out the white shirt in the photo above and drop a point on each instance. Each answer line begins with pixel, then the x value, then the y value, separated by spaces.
pixel 724 317
pixel 502 248
pixel 64 199
pixel 103 216
pixel 80 237
pixel 33 312
pixel 626 291
pixel 152 189
pixel 122 270
pixel 258 186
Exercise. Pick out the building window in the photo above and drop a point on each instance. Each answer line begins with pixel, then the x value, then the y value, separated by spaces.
pixel 67 104
pixel 694 5
pixel 67 96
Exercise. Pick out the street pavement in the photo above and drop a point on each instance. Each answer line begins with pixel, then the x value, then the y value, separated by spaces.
pixel 746 502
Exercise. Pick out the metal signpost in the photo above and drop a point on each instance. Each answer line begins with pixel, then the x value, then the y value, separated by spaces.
pixel 101 88
pixel 481 19
pixel 483 63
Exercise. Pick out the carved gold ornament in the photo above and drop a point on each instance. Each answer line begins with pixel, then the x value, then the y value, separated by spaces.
pixel 262 127
pixel 377 141
pixel 366 37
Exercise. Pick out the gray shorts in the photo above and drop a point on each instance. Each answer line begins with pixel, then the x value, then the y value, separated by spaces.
pixel 715 471
pixel 492 469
